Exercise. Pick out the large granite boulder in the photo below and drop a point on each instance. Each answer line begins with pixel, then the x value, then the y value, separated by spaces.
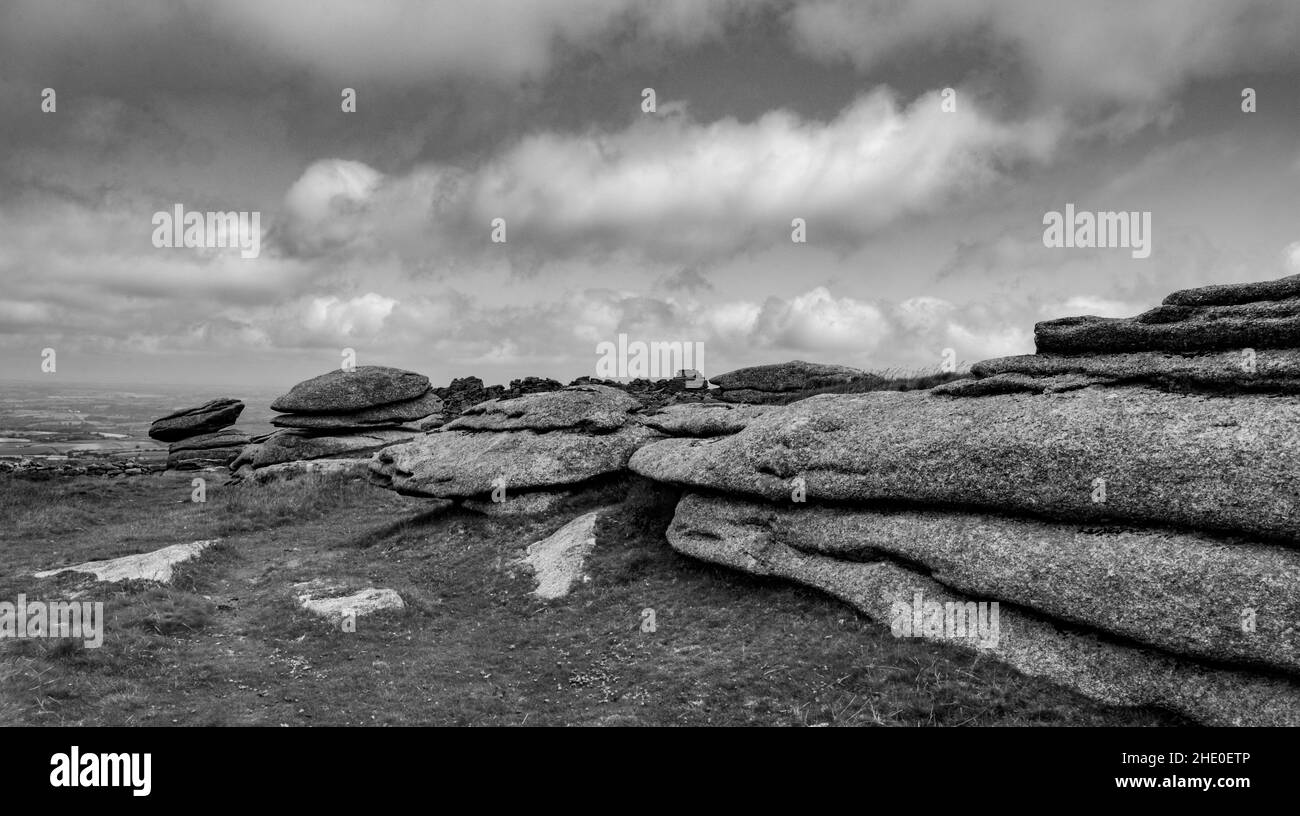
pixel 203 419
pixel 463 464
pixel 208 450
pixel 590 408
pixel 388 415
pixel 1105 668
pixel 1217 599
pixel 1130 454
pixel 340 391
pixel 776 382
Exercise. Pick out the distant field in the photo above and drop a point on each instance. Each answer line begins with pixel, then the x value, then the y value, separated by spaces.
pixel 227 645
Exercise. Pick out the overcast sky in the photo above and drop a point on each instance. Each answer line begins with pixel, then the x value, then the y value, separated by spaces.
pixel 924 227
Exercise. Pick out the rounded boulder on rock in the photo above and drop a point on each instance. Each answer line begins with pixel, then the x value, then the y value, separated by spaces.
pixel 342 391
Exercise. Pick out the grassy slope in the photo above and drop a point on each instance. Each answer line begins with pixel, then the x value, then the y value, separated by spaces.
pixel 227 645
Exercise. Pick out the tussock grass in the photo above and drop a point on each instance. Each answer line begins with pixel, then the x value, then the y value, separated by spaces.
pixel 250 507
pixel 226 643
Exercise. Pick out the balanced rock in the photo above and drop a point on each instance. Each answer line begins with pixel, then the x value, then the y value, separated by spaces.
pixel 1132 454
pixel 340 391
pixel 772 383
pixel 1101 667
pixel 387 415
pixel 1178 591
pixel 203 419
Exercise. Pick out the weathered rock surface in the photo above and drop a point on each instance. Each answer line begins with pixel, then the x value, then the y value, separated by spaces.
pixel 703 418
pixel 294 445
pixel 203 419
pixel 1017 384
pixel 207 450
pixel 151 566
pixel 1105 669
pixel 324 598
pixel 342 391
pixel 766 383
pixel 1265 324
pixel 557 561
pixel 1181 592
pixel 590 408
pixel 1205 462
pixel 531 503
pixel 464 464
pixel 1233 293
pixel 1261 370
pixel 390 414
pixel 288 471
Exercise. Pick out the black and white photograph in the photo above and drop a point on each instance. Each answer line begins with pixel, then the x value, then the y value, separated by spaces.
pixel 908 364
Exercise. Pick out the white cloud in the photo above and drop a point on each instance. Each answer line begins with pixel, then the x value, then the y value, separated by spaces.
pixel 673 189
pixel 362 316
pixel 1292 253
pixel 1091 305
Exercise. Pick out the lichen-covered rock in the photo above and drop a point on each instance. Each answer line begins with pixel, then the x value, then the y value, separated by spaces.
pixel 1236 370
pixel 1016 384
pixel 208 450
pixel 342 391
pixel 1222 600
pixel 557 561
pixel 390 414
pixel 775 382
pixel 470 464
pixel 328 600
pixel 1103 668
pixel 289 471
pixel 590 408
pixel 1127 454
pixel 295 445
pixel 1265 324
pixel 155 566
pixel 703 418
pixel 203 419
pixel 1233 293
